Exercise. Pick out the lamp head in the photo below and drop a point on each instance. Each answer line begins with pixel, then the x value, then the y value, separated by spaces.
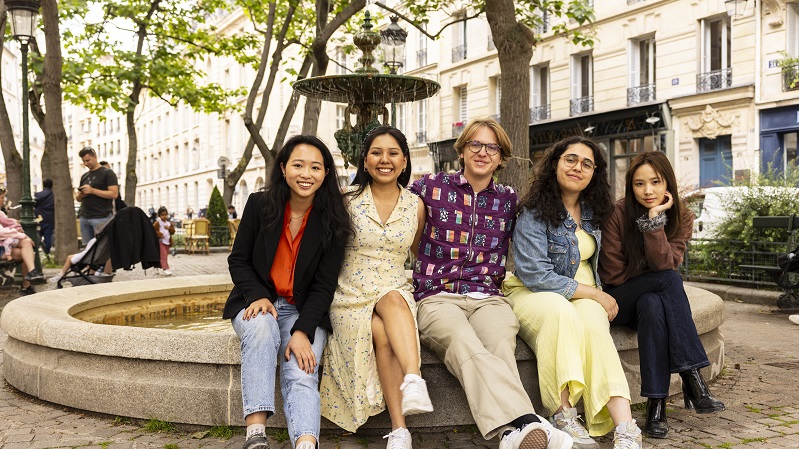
pixel 652 120
pixel 393 44
pixel 24 15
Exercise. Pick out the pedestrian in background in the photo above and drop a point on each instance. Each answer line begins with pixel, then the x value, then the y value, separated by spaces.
pixel 45 208
pixel 118 203
pixel 231 213
pixel 164 230
pixel 97 191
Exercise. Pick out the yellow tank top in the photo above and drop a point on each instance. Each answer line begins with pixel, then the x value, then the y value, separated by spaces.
pixel 587 246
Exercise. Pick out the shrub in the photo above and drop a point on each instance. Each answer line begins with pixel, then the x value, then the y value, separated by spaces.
pixel 217 211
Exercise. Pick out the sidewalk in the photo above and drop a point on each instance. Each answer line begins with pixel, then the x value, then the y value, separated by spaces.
pixel 759 385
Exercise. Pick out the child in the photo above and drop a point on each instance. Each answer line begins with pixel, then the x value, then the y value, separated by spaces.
pixel 72 259
pixel 164 229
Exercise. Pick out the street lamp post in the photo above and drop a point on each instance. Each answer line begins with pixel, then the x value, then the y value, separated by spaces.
pixel 24 15
pixel 393 44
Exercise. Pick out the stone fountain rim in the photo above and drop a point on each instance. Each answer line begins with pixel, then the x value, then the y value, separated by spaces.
pixel 45 319
pixel 299 85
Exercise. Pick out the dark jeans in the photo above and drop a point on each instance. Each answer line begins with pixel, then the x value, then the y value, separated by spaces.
pixel 46 229
pixel 655 304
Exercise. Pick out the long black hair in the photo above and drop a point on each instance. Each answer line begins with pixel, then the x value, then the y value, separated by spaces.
pixel 362 177
pixel 633 244
pixel 544 196
pixel 328 200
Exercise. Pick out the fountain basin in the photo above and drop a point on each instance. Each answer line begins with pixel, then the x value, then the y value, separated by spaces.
pixel 373 88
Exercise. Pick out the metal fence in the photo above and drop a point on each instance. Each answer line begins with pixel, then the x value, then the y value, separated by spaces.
pixel 220 236
pixel 731 262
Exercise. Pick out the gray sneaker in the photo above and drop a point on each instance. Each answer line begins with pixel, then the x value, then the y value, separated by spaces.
pixel 256 441
pixel 569 421
pixel 628 436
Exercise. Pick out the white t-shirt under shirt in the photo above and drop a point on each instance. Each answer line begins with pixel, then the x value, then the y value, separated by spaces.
pixel 164 228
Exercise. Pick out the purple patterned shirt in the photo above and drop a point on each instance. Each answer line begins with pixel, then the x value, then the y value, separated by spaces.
pixel 464 246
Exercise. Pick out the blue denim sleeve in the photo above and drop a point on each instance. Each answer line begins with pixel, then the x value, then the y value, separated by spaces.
pixel 531 260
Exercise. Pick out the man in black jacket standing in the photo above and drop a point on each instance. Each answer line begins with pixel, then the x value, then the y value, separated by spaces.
pixel 45 208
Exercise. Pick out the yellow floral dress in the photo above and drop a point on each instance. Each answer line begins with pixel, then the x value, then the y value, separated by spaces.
pixel 374 265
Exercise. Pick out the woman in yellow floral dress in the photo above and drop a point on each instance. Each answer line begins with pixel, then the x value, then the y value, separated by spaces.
pixel 372 357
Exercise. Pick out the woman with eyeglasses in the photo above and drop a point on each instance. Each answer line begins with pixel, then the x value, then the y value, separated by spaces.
pixel 563 313
pixel 645 240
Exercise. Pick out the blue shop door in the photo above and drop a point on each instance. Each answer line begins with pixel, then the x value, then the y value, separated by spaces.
pixel 772 154
pixel 715 161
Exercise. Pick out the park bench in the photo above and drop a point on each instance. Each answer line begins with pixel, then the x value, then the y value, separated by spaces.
pixel 766 261
pixel 7 272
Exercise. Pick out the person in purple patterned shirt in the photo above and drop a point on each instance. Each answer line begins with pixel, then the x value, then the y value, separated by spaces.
pixel 462 315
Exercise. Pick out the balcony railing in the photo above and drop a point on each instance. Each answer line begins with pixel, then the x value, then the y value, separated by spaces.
pixel 458 53
pixel 543 26
pixel 632 2
pixel 421 58
pixel 539 113
pixel 457 128
pixel 790 77
pixel 640 94
pixel 421 137
pixel 717 79
pixel 582 105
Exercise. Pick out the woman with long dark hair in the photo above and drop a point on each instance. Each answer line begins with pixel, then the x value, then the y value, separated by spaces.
pixel 645 240
pixel 563 313
pixel 284 266
pixel 372 359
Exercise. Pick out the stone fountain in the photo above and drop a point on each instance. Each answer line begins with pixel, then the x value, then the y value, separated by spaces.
pixel 366 93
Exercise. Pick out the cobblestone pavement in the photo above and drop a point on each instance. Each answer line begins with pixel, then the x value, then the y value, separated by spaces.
pixel 759 386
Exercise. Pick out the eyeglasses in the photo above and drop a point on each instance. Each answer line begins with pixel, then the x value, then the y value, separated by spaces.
pixel 570 160
pixel 475 146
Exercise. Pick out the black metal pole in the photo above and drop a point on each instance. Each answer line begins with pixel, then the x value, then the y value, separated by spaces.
pixel 26 218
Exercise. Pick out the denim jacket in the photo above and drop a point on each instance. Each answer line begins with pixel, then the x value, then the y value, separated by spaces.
pixel 546 257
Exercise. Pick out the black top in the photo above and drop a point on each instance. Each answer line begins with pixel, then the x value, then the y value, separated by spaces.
pixel 315 273
pixel 93 206
pixel 45 205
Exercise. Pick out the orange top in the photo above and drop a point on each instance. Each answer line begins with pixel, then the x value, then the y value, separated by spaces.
pixel 282 272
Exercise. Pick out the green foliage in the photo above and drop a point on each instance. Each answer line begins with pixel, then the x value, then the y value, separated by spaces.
pixel 790 70
pixel 279 435
pixel 158 426
pixel 225 432
pixel 217 211
pixel 171 446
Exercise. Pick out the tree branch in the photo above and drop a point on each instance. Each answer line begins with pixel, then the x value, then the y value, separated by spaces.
pixel 414 24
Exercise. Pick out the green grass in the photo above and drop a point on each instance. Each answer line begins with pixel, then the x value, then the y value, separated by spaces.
pixel 105 444
pixel 158 426
pixel 725 445
pixel 639 407
pixel 225 432
pixel 363 442
pixel 753 440
pixel 280 436
pixel 120 420
pixel 708 446
pixel 752 409
pixel 790 423
pixel 171 446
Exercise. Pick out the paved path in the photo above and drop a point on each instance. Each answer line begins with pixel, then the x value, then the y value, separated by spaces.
pixel 759 384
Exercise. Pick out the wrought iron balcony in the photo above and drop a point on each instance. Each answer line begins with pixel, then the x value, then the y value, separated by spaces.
pixel 539 113
pixel 717 79
pixel 458 53
pixel 421 137
pixel 790 77
pixel 457 128
pixel 640 94
pixel 421 58
pixel 543 26
pixel 581 105
pixel 632 2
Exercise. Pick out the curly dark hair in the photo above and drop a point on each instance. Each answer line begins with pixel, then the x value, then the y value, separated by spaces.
pixel 328 199
pixel 544 195
pixel 362 177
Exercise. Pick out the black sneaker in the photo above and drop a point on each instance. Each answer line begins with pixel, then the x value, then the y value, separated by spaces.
pixel 34 275
pixel 27 291
pixel 256 441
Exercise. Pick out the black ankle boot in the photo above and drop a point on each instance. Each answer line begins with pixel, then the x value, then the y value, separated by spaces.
pixel 656 425
pixel 696 394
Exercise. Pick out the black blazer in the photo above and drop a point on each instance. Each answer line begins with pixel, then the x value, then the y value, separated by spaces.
pixel 315 273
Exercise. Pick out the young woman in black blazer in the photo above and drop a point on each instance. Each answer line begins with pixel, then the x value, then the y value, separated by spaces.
pixel 284 265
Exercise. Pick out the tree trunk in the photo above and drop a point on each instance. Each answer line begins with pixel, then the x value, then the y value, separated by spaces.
pixel 514 42
pixel 13 161
pixel 310 119
pixel 55 136
pixel 131 179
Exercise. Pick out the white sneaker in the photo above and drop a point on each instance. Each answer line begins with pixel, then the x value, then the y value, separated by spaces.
pixel 531 436
pixel 628 436
pixel 399 439
pixel 794 319
pixel 569 421
pixel 167 273
pixel 55 279
pixel 415 399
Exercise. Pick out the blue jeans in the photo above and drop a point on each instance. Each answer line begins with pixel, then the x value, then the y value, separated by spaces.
pixel 655 304
pixel 46 230
pixel 263 343
pixel 87 226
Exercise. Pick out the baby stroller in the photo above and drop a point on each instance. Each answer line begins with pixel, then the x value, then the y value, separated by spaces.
pixel 85 265
pixel 127 239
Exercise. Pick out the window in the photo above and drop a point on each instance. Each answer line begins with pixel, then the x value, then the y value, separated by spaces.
pixel 543 24
pixel 400 120
pixel 582 89
pixel 642 71
pixel 716 68
pixel 421 122
pixel 460 112
pixel 497 81
pixel 340 116
pixel 539 76
pixel 792 29
pixel 341 62
pixel 459 38
pixel 421 53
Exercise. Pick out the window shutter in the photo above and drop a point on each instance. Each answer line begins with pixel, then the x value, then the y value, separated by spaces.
pixel 633 62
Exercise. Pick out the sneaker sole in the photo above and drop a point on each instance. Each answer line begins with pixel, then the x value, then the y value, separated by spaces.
pixel 536 439
pixel 416 410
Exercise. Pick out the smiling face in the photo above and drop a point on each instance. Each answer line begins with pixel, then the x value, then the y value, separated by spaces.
pixel 384 161
pixel 574 178
pixel 481 164
pixel 649 187
pixel 304 171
